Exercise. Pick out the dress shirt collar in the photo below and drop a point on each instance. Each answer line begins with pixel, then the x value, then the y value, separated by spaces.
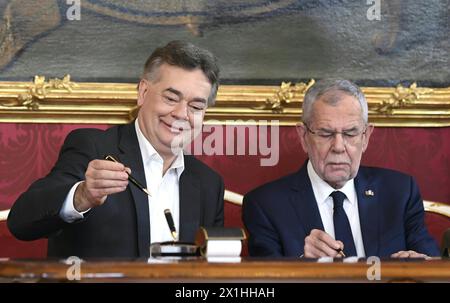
pixel 322 189
pixel 149 153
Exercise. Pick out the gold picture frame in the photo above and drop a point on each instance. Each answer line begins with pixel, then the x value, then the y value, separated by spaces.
pixel 65 101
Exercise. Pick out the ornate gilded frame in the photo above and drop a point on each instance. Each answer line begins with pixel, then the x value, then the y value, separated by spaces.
pixel 65 101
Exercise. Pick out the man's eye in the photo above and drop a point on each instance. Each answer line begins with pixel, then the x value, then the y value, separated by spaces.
pixel 325 135
pixel 197 107
pixel 350 134
pixel 170 99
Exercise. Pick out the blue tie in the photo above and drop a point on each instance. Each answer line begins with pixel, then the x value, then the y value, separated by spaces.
pixel 342 230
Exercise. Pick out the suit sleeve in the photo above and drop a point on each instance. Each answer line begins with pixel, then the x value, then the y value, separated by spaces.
pixel 263 239
pixel 417 236
pixel 35 214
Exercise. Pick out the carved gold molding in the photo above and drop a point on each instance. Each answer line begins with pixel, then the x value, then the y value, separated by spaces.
pixel 65 101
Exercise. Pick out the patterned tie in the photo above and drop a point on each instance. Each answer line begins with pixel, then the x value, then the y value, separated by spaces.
pixel 342 229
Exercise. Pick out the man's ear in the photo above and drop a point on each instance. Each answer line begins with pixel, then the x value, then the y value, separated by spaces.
pixel 366 137
pixel 142 91
pixel 301 131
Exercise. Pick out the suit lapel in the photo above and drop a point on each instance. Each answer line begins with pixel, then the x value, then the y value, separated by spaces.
pixel 190 203
pixel 368 211
pixel 131 157
pixel 304 203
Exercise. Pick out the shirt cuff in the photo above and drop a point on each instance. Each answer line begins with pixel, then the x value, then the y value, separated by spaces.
pixel 68 212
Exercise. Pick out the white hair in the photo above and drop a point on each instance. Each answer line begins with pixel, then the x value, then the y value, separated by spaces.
pixel 333 89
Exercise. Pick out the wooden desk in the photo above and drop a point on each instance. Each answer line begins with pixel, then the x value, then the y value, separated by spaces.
pixel 246 271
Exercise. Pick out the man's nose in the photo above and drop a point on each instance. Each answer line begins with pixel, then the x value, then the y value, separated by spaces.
pixel 180 112
pixel 338 143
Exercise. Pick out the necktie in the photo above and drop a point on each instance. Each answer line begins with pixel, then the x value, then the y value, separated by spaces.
pixel 342 228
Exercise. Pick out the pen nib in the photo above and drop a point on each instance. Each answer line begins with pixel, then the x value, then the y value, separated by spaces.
pixel 146 191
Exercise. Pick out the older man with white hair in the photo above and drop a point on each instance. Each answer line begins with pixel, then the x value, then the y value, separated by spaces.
pixel 333 206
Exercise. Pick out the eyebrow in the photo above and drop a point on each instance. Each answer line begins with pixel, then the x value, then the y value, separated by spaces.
pixel 180 95
pixel 174 91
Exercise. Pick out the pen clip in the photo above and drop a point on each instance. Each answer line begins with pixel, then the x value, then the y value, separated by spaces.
pixel 111 158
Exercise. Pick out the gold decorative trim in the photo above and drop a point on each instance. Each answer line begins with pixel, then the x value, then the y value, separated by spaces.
pixel 233 198
pixel 4 215
pixel 65 101
pixel 401 97
pixel 39 91
pixel 437 208
pixel 285 95
pixel 236 199
pixel 429 206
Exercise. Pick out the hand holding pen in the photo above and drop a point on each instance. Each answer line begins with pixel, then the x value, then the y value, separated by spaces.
pixel 320 244
pixel 167 212
pixel 102 178
pixel 130 177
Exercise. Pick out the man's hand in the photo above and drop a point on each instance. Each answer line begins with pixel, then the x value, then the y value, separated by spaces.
pixel 320 244
pixel 408 254
pixel 102 178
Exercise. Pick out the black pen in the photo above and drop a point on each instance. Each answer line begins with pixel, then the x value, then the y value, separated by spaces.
pixel 169 219
pixel 130 177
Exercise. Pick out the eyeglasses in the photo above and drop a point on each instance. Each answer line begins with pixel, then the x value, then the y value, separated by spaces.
pixel 351 136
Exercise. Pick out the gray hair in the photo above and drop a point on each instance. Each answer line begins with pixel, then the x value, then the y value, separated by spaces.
pixel 333 89
pixel 187 56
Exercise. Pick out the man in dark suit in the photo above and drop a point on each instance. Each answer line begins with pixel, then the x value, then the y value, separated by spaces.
pixel 86 206
pixel 332 207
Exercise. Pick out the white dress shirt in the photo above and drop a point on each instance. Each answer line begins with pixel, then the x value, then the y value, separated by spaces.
pixel 163 188
pixel 322 191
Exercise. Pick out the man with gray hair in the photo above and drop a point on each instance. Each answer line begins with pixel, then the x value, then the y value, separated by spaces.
pixel 333 206
pixel 87 208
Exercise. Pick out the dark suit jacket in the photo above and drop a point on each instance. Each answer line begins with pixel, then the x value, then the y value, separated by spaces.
pixel 120 227
pixel 280 214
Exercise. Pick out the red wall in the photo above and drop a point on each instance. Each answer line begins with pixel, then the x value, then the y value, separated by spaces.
pixel 27 151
